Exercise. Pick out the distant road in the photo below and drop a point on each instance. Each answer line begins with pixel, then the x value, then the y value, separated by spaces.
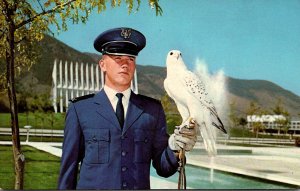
pixel 34 132
pixel 276 142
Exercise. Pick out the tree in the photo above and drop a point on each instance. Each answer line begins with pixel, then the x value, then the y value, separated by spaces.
pixel 173 117
pixel 233 117
pixel 242 121
pixel 280 110
pixel 255 109
pixel 22 24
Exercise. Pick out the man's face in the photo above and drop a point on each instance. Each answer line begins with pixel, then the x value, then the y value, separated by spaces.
pixel 119 71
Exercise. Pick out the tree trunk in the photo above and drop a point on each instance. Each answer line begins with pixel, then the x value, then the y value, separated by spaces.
pixel 19 158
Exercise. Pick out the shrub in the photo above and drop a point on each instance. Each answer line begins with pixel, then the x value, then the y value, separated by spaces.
pixel 297 141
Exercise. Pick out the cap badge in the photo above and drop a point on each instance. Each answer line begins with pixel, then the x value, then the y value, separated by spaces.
pixel 125 33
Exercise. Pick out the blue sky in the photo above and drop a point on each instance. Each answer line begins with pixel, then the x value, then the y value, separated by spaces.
pixel 247 39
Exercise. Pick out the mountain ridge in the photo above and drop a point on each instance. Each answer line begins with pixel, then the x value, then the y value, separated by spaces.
pixel 150 80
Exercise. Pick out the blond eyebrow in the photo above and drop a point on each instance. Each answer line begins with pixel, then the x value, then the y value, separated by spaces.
pixel 115 56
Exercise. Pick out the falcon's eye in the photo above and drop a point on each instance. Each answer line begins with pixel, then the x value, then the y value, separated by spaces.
pixel 171 53
pixel 180 54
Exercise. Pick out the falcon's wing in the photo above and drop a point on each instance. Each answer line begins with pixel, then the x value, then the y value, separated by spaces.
pixel 196 87
pixel 183 110
pixel 166 87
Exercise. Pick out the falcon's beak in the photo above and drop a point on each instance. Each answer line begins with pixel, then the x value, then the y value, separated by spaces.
pixel 177 56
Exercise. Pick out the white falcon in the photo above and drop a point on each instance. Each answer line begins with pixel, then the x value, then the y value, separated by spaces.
pixel 192 101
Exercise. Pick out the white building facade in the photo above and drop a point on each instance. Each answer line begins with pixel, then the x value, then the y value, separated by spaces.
pixel 295 126
pixel 271 122
pixel 70 80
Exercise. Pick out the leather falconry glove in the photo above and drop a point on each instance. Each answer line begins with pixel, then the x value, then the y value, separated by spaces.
pixel 184 136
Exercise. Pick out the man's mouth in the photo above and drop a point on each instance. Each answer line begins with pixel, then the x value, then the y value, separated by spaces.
pixel 126 73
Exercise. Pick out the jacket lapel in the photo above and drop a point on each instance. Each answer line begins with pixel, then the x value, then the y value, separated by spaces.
pixel 105 109
pixel 134 111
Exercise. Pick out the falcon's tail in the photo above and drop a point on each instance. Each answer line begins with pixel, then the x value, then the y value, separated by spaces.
pixel 209 139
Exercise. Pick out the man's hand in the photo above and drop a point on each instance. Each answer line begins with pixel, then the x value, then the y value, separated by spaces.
pixel 184 137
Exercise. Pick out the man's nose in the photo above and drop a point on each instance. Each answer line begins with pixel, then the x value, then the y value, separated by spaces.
pixel 126 60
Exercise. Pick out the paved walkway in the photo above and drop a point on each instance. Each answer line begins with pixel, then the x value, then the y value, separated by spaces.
pixel 276 164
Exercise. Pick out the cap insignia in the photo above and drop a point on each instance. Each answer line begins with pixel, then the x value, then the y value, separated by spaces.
pixel 125 33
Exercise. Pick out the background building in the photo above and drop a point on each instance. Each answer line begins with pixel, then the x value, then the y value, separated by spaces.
pixel 274 123
pixel 71 80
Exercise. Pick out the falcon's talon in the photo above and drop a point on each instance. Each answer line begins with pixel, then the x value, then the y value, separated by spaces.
pixel 181 125
pixel 193 121
pixel 177 127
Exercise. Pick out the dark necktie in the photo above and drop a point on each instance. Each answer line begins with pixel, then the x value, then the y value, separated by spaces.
pixel 120 109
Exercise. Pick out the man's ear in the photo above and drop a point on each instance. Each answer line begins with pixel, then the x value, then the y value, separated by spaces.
pixel 102 65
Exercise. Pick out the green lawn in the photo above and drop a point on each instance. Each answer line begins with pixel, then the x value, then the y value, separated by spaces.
pixel 57 120
pixel 36 120
pixel 41 169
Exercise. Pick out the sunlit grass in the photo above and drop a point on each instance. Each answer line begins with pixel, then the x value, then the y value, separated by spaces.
pixel 36 120
pixel 41 169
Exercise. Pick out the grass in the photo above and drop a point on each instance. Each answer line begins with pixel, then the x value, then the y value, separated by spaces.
pixel 243 132
pixel 41 169
pixel 36 120
pixel 56 121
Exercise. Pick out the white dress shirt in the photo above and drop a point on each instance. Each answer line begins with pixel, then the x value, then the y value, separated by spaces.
pixel 111 94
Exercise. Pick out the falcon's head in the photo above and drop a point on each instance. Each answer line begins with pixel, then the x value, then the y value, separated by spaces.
pixel 174 59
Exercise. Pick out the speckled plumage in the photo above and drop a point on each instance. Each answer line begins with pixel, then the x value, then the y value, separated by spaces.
pixel 191 98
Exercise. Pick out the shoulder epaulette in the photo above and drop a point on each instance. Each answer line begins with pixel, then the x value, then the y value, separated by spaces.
pixel 73 100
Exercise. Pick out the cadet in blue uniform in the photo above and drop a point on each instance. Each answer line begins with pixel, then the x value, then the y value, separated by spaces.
pixel 115 134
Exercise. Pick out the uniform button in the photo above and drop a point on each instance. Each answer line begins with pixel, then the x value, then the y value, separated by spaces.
pixel 123 137
pixel 124 168
pixel 94 138
pixel 124 184
pixel 124 153
pixel 146 140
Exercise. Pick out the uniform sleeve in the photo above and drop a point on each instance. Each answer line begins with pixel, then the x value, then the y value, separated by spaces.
pixel 165 161
pixel 72 145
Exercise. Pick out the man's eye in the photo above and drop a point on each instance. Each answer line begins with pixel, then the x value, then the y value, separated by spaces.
pixel 118 58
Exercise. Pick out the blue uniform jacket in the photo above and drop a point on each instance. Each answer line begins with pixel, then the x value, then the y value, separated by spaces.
pixel 109 157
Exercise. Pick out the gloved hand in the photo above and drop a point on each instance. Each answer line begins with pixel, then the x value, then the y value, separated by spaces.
pixel 184 136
